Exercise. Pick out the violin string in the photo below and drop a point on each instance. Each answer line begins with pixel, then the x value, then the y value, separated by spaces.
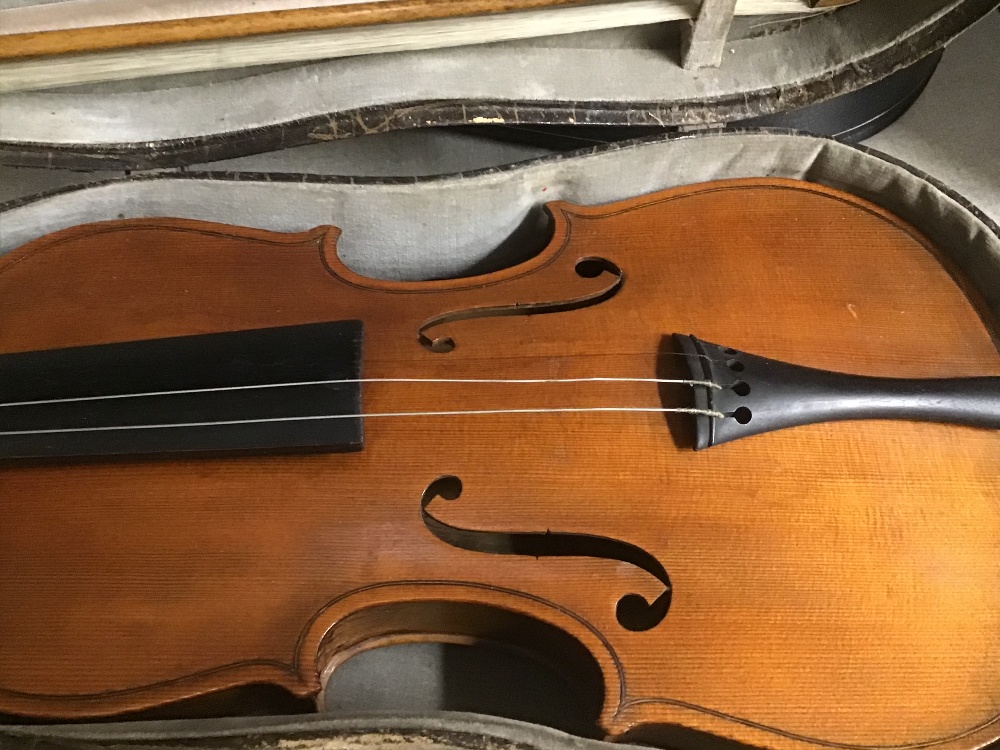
pixel 469 412
pixel 352 381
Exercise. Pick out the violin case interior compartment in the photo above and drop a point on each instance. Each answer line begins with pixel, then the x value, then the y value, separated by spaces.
pixel 171 133
pixel 776 71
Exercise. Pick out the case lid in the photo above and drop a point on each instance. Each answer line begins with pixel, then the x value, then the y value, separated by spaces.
pixel 619 77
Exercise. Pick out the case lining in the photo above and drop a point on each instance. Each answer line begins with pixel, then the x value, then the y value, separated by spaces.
pixel 771 67
pixel 464 224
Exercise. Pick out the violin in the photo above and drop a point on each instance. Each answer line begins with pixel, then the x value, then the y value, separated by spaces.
pixel 730 452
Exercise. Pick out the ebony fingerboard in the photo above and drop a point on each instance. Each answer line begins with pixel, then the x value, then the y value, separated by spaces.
pixel 197 398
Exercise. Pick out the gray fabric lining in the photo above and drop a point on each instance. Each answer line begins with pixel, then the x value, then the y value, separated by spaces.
pixel 436 731
pixel 616 66
pixel 465 224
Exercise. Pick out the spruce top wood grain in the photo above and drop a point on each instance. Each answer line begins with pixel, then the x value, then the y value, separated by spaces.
pixel 831 585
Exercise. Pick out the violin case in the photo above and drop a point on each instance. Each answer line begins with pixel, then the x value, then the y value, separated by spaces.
pixel 630 77
pixel 144 149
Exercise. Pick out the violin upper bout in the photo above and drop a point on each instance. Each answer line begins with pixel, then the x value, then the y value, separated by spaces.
pixel 152 278
pixel 117 235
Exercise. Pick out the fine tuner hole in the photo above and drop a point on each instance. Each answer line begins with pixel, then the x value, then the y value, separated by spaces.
pixel 743 415
pixel 735 365
pixel 742 389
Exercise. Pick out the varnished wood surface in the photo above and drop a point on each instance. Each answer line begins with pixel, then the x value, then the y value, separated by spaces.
pixel 836 585
pixel 252 22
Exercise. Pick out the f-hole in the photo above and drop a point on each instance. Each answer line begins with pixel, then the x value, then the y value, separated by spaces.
pixel 586 268
pixel 633 611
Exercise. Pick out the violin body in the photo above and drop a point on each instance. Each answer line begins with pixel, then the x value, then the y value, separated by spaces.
pixel 833 584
